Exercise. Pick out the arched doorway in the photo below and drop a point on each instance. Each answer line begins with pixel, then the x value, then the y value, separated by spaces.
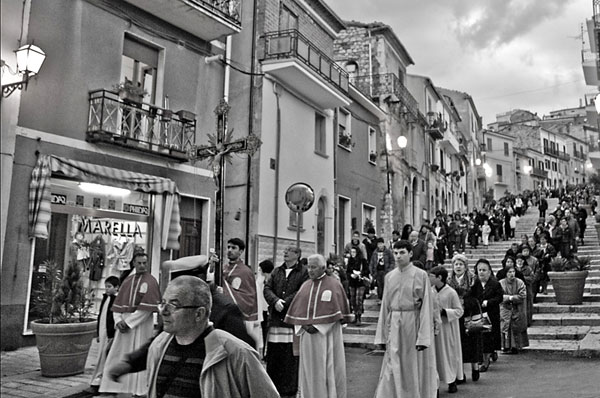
pixel 406 214
pixel 321 226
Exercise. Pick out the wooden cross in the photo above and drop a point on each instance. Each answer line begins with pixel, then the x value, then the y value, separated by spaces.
pixel 220 149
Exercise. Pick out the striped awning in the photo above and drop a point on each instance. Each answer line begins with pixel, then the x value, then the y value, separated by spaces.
pixel 40 196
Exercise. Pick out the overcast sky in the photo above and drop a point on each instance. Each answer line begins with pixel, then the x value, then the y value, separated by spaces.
pixel 507 54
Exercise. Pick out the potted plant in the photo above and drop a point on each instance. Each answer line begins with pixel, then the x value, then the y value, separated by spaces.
pixel 568 279
pixel 345 140
pixel 65 334
pixel 130 91
pixel 373 157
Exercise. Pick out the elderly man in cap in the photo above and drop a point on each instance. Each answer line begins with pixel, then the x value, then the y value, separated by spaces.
pixel 190 358
pixel 316 313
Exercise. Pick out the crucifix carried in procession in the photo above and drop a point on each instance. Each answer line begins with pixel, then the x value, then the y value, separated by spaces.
pixel 220 149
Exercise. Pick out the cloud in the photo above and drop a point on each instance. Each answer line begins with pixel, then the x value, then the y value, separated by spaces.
pixel 493 23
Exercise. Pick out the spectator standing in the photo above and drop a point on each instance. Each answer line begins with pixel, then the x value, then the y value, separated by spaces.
pixel 355 242
pixel 190 358
pixel 105 329
pixel 265 268
pixel 564 239
pixel 381 263
pixel 280 290
pixel 419 249
pixel 358 273
pixel 513 313
pixel 581 220
pixel 489 293
pixel 370 242
pixel 543 206
pixel 316 312
pixel 486 230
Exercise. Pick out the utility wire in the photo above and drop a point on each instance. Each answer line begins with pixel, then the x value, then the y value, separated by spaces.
pixel 529 91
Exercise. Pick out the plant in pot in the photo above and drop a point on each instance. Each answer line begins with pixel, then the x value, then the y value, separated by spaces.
pixel 568 279
pixel 130 91
pixel 65 334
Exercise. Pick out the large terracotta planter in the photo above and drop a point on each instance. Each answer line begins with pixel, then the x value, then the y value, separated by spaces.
pixel 568 286
pixel 63 347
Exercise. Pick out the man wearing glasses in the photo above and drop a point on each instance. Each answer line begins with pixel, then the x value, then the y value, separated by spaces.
pixel 190 358
pixel 280 290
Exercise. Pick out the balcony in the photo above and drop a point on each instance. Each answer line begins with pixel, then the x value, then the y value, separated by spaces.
pixel 537 172
pixel 500 180
pixel 293 59
pixel 206 19
pixel 563 156
pixel 480 172
pixel 579 155
pixel 550 151
pixel 140 126
pixel 450 143
pixel 388 85
pixel 436 125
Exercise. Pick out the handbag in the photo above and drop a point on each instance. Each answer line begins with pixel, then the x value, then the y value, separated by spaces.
pixel 367 281
pixel 478 323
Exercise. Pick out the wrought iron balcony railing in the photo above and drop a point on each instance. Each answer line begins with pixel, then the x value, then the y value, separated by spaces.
pixel 292 44
pixel 230 9
pixel 436 125
pixel 139 125
pixel 550 151
pixel 387 84
pixel 535 171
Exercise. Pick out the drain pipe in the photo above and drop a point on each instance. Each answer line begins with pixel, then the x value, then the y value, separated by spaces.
pixel 277 91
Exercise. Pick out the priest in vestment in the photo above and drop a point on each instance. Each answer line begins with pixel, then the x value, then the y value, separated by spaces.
pixel 132 310
pixel 240 285
pixel 448 350
pixel 316 313
pixel 405 328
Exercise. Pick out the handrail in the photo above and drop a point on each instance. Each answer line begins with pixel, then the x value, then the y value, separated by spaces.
pixel 292 44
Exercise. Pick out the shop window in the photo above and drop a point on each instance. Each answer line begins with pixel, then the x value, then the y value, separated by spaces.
pixel 99 230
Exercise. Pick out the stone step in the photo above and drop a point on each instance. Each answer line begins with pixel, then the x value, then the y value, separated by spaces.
pixel 549 308
pixel 557 332
pixel 591 297
pixel 566 319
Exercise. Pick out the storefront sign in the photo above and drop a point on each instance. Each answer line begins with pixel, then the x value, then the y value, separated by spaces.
pixel 58 199
pixel 111 227
pixel 136 209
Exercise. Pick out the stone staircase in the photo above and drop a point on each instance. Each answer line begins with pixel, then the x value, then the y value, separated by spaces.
pixel 574 330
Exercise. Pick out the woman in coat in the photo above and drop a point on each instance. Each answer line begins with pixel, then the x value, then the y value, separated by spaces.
pixel 461 279
pixel 357 270
pixel 489 293
pixel 513 313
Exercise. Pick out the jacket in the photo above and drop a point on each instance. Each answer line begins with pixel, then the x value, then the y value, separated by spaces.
pixel 110 321
pixel 280 287
pixel 231 368
pixel 388 261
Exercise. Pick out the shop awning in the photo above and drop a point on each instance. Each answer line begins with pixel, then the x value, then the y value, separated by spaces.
pixel 40 196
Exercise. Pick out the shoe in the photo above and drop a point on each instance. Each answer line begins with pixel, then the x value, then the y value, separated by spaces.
pixel 494 356
pixel 358 321
pixel 452 388
pixel 463 381
pixel 514 351
pixel 483 368
pixel 474 375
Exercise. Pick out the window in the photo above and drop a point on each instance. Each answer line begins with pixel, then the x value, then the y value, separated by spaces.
pixel 368 214
pixel 344 132
pixel 287 19
pixel 320 134
pixel 547 164
pixel 545 143
pixel 442 159
pixel 372 145
pixel 292 224
pixel 499 170
pixel 352 69
pixel 489 145
pixel 554 166
pixel 139 63
pixel 506 149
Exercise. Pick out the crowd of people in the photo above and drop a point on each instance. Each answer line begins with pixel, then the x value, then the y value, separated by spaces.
pixel 213 341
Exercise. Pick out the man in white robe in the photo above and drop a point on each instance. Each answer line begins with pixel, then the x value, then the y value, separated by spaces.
pixel 448 351
pixel 138 298
pixel 405 327
pixel 316 313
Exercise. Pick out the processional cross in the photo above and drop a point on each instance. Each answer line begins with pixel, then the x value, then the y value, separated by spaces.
pixel 220 149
